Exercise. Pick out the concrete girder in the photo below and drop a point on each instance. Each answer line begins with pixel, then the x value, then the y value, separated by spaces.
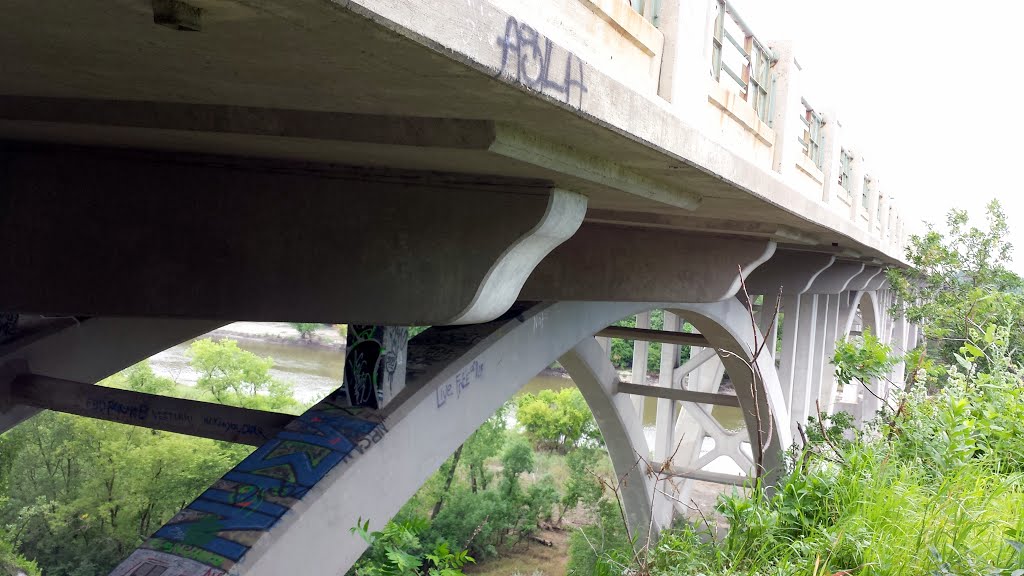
pixel 606 263
pixel 861 281
pixel 877 283
pixel 270 242
pixel 836 277
pixel 472 370
pixel 791 271
pixel 90 349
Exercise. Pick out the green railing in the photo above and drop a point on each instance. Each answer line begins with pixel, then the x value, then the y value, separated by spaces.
pixel 813 138
pixel 744 60
pixel 846 172
pixel 648 9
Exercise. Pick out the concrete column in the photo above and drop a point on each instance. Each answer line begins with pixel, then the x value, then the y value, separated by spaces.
pixel 803 370
pixel 790 329
pixel 831 190
pixel 664 441
pixel 374 365
pixel 900 335
pixel 882 215
pixel 857 188
pixel 886 208
pixel 664 425
pixel 768 323
pixel 827 388
pixel 640 352
pixel 788 107
pixel 688 26
pixel 872 204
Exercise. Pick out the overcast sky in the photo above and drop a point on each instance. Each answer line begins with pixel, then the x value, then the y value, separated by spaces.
pixel 931 91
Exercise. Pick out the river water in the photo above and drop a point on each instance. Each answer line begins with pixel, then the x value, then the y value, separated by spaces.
pixel 314 370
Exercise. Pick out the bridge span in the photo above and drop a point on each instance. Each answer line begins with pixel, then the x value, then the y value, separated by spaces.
pixel 519 175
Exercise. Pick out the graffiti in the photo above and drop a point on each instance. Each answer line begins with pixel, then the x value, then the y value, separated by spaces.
pixel 114 409
pixel 8 326
pixel 535 61
pixel 218 528
pixel 462 380
pixel 374 355
pixel 229 426
pixel 170 416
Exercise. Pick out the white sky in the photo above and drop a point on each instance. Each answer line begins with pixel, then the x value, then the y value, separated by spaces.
pixel 930 90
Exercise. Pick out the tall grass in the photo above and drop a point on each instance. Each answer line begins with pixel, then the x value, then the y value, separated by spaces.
pixel 937 490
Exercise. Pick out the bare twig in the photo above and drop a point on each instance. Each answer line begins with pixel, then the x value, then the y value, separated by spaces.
pixel 821 425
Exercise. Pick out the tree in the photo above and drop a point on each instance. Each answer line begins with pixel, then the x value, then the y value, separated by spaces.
pixel 141 378
pixel 306 329
pixel 958 282
pixel 557 420
pixel 238 377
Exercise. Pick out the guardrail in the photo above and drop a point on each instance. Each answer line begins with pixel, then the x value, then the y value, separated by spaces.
pixel 744 59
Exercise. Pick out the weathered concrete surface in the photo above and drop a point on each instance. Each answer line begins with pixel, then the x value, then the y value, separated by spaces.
pixel 612 263
pixel 136 235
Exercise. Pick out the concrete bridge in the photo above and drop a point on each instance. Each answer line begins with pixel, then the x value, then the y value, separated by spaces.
pixel 520 175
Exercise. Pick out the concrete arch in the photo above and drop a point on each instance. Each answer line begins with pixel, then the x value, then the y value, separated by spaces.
pixel 456 378
pixel 727 327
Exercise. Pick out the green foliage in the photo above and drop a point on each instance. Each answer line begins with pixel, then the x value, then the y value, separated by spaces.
pixel 622 350
pixel 517 459
pixel 863 361
pixel 141 378
pixel 602 548
pixel 82 493
pixel 581 486
pixel 306 330
pixel 940 494
pixel 487 442
pixel 958 281
pixel 238 377
pixel 398 550
pixel 557 420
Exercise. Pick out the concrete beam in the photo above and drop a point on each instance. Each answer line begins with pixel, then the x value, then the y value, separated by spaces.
pixel 681 395
pixel 860 281
pixel 877 283
pixel 608 263
pixel 203 419
pixel 836 277
pixel 792 271
pixel 90 349
pixel 648 335
pixel 203 237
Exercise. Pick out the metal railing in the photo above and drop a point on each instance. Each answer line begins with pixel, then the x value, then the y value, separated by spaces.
pixel 813 138
pixel 648 9
pixel 846 172
pixel 745 60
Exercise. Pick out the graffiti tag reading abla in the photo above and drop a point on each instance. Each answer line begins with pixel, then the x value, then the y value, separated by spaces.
pixel 462 380
pixel 218 528
pixel 535 61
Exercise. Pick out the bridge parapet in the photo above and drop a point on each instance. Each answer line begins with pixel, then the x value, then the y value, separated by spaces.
pixel 716 74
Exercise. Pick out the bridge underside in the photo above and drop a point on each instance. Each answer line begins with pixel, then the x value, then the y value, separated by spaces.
pixel 307 160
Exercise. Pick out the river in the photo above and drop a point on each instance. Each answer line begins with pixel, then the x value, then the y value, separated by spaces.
pixel 314 370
